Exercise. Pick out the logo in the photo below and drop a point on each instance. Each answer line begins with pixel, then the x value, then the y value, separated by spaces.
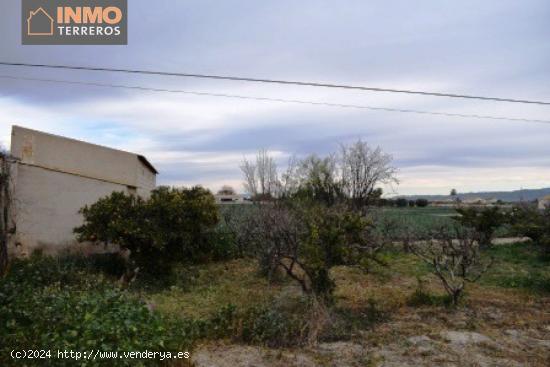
pixel 74 22
pixel 39 23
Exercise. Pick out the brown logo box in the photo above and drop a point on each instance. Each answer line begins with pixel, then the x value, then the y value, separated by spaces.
pixel 74 22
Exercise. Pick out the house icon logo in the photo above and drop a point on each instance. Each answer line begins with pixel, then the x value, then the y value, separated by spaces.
pixel 39 23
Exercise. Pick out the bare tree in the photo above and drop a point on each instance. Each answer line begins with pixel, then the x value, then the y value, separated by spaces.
pixel 261 178
pixel 454 257
pixel 6 201
pixel 249 172
pixel 289 183
pixel 363 168
pixel 262 169
pixel 267 172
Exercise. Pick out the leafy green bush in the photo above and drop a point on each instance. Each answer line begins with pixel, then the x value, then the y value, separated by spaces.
pixel 49 303
pixel 533 223
pixel 173 225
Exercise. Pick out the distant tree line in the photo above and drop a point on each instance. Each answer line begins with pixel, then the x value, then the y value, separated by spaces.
pixel 402 202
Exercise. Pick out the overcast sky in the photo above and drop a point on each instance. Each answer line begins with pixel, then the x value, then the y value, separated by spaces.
pixel 499 48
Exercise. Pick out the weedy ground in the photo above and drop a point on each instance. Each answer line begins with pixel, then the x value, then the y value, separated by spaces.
pixel 394 316
pixel 231 316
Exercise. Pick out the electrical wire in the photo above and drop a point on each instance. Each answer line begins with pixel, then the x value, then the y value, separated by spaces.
pixel 276 81
pixel 280 100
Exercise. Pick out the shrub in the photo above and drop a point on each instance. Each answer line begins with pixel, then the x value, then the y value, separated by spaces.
pixel 237 230
pixel 454 257
pixel 483 221
pixel 173 225
pixel 67 304
pixel 274 326
pixel 45 303
pixel 533 223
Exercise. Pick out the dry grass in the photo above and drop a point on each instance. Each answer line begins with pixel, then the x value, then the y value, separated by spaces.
pixel 213 286
pixel 491 308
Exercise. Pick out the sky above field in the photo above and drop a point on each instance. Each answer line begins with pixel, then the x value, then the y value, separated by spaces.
pixel 497 48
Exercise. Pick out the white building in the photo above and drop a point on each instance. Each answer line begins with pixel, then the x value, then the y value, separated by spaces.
pixel 55 176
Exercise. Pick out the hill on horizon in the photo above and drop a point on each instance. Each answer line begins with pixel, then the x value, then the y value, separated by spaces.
pixel 507 196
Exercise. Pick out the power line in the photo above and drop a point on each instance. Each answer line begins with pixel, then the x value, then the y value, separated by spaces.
pixel 281 100
pixel 276 81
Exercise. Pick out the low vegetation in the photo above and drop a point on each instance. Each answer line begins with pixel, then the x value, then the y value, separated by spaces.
pixel 533 223
pixel 482 221
pixel 61 305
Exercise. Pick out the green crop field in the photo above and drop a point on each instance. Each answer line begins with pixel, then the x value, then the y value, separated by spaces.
pixel 421 219
pixel 424 219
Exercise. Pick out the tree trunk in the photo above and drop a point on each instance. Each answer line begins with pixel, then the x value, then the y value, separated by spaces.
pixel 318 320
pixel 456 296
